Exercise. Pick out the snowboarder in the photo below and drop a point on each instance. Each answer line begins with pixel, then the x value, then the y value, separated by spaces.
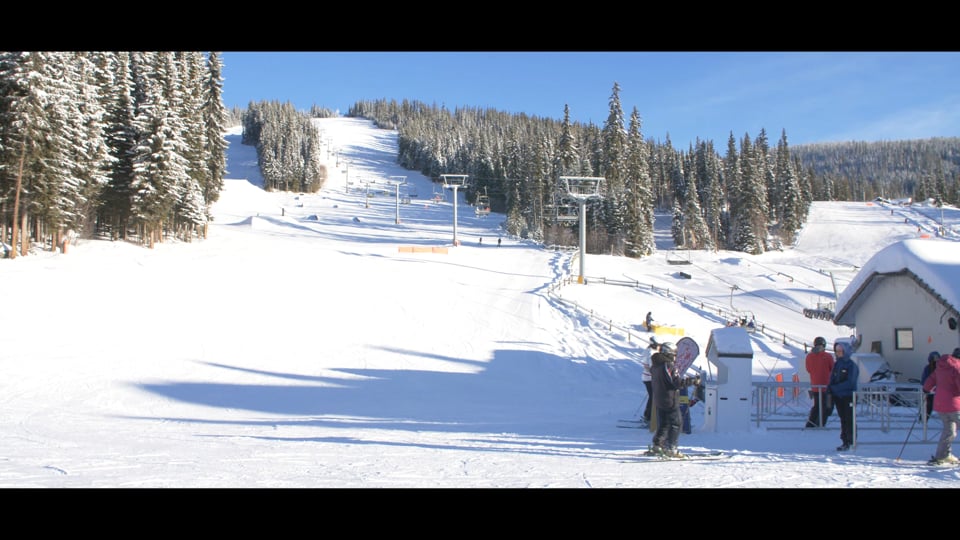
pixel 648 321
pixel 666 383
pixel 498 241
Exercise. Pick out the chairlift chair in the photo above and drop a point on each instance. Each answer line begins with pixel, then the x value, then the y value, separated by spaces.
pixel 567 212
pixel 483 203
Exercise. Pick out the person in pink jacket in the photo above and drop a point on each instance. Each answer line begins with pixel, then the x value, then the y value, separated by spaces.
pixel 945 383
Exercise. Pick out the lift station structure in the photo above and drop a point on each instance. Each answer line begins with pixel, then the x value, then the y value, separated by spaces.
pixel 582 189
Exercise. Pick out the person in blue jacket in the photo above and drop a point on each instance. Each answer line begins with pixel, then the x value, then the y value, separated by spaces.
pixel 686 402
pixel 843 383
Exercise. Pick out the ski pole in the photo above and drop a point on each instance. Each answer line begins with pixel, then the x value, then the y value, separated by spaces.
pixel 907 439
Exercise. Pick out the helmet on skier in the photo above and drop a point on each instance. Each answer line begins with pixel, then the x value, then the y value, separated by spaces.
pixel 668 349
pixel 820 342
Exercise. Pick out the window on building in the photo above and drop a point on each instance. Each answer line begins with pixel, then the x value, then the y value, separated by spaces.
pixel 903 339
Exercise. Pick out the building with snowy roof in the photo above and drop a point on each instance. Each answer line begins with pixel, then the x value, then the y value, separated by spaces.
pixel 904 303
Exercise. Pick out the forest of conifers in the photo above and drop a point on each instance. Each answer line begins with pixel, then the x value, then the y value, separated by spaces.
pixel 109 143
pixel 752 198
pixel 131 146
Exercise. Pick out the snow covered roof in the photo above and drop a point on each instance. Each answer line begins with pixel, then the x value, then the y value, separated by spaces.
pixel 729 341
pixel 933 263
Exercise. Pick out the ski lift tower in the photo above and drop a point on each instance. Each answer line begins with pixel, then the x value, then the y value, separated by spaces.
pixel 582 189
pixel 398 181
pixel 454 182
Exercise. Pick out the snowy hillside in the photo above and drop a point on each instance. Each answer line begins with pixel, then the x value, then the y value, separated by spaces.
pixel 341 340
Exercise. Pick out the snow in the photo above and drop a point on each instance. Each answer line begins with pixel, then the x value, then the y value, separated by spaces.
pixel 308 343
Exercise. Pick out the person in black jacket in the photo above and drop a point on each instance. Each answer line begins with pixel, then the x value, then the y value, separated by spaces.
pixel 927 370
pixel 666 383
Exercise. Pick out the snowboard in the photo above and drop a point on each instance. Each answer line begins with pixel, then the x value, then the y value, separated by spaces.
pixel 687 352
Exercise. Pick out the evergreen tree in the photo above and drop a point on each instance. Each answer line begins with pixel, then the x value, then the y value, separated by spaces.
pixel 750 212
pixel 676 224
pixel 640 216
pixel 714 206
pixel 793 208
pixel 214 120
pixel 772 190
pixel 695 232
pixel 515 201
pixel 90 152
pixel 38 118
pixel 614 204
pixel 160 170
pixel 676 177
pixel 567 152
pixel 121 135
pixel 191 208
pixel 805 183
pixel 953 191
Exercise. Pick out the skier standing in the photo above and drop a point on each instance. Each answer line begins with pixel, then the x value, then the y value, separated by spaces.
pixel 843 383
pixel 945 383
pixel 686 402
pixel 927 370
pixel 819 364
pixel 648 384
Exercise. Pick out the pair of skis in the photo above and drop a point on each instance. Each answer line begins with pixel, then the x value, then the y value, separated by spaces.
pixel 633 424
pixel 691 455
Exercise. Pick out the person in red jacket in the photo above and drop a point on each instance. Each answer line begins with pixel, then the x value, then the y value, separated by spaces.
pixel 819 365
pixel 945 383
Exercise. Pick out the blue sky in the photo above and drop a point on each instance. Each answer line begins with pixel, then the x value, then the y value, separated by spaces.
pixel 813 96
